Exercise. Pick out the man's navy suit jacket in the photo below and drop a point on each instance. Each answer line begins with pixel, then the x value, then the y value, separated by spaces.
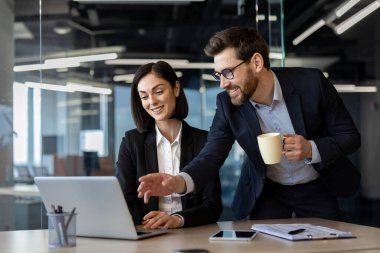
pixel 316 112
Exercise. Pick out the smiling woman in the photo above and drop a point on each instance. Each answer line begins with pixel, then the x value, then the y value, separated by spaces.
pixel 163 142
pixel 156 95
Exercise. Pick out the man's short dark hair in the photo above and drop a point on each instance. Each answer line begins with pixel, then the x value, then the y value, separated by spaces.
pixel 162 69
pixel 245 40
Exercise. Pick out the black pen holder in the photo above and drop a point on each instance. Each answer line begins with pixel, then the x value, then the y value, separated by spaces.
pixel 62 229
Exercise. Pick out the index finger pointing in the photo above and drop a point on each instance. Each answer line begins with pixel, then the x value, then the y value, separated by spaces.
pixel 144 178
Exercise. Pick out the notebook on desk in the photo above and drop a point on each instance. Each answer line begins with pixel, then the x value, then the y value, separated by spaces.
pixel 302 231
pixel 100 204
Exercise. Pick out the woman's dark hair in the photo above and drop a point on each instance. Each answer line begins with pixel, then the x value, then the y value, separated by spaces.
pixel 245 40
pixel 162 70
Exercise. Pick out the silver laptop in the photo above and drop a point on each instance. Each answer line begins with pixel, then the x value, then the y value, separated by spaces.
pixel 100 206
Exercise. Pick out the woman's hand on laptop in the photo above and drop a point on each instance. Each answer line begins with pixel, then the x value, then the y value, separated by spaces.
pixel 159 184
pixel 158 219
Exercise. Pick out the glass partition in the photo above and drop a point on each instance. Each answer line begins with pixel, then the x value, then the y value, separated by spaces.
pixel 68 94
pixel 71 109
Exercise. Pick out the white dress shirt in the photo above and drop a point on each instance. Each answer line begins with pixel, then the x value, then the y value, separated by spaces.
pixel 275 118
pixel 168 156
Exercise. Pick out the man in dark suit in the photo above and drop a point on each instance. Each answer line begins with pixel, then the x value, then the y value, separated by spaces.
pixel 299 103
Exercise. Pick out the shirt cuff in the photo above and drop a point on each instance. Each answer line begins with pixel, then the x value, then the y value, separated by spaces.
pixel 181 218
pixel 315 155
pixel 189 183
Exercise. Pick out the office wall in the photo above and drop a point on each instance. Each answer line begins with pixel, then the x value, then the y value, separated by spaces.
pixel 370 126
pixel 6 127
pixel 6 81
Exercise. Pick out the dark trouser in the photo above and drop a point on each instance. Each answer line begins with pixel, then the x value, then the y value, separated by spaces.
pixel 304 200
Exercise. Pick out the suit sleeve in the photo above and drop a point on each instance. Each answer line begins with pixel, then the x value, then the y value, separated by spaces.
pixel 208 209
pixel 126 173
pixel 342 137
pixel 203 206
pixel 205 167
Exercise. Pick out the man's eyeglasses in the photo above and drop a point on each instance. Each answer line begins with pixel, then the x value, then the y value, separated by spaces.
pixel 227 73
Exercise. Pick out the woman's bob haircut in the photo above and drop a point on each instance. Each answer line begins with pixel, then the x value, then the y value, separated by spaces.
pixel 163 70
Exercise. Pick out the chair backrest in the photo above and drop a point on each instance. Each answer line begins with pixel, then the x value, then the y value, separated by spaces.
pixel 90 161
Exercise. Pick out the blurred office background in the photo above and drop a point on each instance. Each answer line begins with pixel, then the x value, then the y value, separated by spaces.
pixel 66 68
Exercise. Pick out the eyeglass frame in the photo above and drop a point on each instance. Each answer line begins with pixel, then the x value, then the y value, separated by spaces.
pixel 217 75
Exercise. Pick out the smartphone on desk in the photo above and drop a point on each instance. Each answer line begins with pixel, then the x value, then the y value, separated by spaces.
pixel 190 251
pixel 233 235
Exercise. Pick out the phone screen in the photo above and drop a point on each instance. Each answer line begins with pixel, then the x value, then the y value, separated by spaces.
pixel 242 235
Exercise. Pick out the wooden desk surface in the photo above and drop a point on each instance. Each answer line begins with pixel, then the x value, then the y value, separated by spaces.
pixel 367 241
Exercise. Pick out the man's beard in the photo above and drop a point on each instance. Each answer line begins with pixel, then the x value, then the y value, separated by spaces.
pixel 246 90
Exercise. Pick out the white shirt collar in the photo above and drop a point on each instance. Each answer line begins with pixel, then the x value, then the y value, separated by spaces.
pixel 160 137
pixel 277 92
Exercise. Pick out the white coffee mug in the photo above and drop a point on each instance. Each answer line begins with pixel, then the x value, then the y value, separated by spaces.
pixel 270 146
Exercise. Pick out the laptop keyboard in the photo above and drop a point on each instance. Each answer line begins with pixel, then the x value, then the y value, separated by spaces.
pixel 142 233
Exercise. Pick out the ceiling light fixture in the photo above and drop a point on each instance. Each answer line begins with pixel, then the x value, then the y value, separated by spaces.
pixel 308 32
pixel 128 78
pixel 83 58
pixel 343 8
pixel 261 17
pixel 208 77
pixel 194 65
pixel 67 62
pixel 44 66
pixel 275 55
pixel 47 86
pixel 87 88
pixel 21 31
pixel 339 11
pixel 86 51
pixel 353 88
pixel 123 78
pixel 145 61
pixel 349 22
pixel 138 1
pixel 175 63
pixel 69 87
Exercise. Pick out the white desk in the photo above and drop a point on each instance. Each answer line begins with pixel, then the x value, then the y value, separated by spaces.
pixel 20 190
pixel 367 241
pixel 18 204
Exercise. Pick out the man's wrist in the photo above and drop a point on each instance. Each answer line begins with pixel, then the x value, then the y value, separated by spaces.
pixel 189 183
pixel 180 185
pixel 315 155
pixel 310 154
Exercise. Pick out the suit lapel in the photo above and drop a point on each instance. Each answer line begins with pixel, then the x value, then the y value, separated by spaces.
pixel 249 114
pixel 186 145
pixel 186 152
pixel 293 103
pixel 151 162
pixel 150 150
pixel 249 141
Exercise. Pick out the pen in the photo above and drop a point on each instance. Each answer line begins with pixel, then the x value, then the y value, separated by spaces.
pixel 60 224
pixel 57 225
pixel 297 231
pixel 62 232
pixel 70 217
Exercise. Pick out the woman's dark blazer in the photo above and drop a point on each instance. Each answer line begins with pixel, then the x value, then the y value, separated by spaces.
pixel 138 157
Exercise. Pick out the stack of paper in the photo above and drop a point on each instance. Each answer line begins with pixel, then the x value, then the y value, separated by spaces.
pixel 303 231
